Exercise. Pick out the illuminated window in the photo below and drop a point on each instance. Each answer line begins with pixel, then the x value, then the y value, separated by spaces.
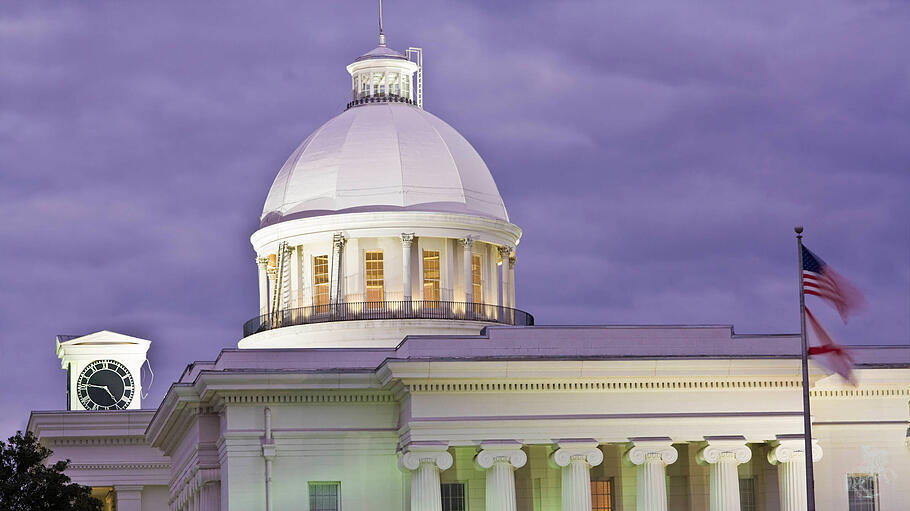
pixel 862 492
pixel 325 496
pixel 452 497
pixel 476 278
pixel 602 495
pixel 321 280
pixel 374 273
pixel 431 275
pixel 747 494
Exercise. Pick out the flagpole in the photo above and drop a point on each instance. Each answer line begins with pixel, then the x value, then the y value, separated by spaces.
pixel 807 418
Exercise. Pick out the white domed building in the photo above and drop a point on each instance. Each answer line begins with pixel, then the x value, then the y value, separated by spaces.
pixel 388 367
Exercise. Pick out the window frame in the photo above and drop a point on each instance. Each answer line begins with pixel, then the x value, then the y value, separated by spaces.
pixel 311 496
pixel 321 289
pixel 435 297
pixel 464 495
pixel 611 493
pixel 367 286
pixel 853 505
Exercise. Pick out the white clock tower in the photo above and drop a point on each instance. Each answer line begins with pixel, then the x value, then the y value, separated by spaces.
pixel 103 370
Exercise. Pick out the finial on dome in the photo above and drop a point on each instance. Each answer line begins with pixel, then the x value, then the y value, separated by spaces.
pixel 381 35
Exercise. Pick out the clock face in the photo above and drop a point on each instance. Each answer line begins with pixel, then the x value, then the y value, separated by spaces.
pixel 105 385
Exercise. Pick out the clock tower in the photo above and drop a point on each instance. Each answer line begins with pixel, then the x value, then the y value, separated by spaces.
pixel 103 370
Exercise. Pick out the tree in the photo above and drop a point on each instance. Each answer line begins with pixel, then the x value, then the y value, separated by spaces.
pixel 28 484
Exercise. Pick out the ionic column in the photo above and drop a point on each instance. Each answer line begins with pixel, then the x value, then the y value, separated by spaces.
pixel 129 498
pixel 504 253
pixel 425 465
pixel 407 239
pixel 500 461
pixel 575 460
pixel 724 454
pixel 789 454
pixel 466 244
pixel 651 455
pixel 512 260
pixel 337 284
pixel 262 263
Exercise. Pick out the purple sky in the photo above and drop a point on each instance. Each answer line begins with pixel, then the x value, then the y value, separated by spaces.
pixel 656 154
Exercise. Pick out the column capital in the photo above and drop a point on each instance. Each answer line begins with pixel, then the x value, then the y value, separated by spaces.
pixel 414 456
pixel 512 261
pixel 467 242
pixel 724 448
pixel 262 261
pixel 788 447
pixel 406 239
pixel 492 452
pixel 504 252
pixel 577 450
pixel 651 449
pixel 339 240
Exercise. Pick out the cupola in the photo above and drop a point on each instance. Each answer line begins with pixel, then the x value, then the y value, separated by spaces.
pixel 384 222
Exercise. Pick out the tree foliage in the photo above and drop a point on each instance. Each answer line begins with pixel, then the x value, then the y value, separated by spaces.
pixel 28 484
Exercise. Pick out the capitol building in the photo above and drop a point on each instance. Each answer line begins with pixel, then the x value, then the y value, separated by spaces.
pixel 390 366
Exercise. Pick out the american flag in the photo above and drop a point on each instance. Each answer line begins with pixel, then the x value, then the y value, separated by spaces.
pixel 820 280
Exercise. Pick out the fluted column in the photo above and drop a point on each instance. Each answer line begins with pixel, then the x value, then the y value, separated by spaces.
pixel 337 284
pixel 575 458
pixel 500 461
pixel 425 465
pixel 407 239
pixel 466 244
pixel 651 455
pixel 262 263
pixel 789 454
pixel 210 496
pixel 504 253
pixel 724 454
pixel 512 260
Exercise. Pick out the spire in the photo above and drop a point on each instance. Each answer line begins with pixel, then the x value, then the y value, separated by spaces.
pixel 381 35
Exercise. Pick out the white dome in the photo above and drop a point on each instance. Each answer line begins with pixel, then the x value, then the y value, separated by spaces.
pixel 383 157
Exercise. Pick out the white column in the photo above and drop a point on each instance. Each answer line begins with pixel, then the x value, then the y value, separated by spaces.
pixel 425 465
pixel 466 244
pixel 294 260
pixel 790 457
pixel 652 455
pixel 504 253
pixel 512 301
pixel 407 239
pixel 576 458
pixel 500 460
pixel 262 263
pixel 724 454
pixel 129 498
pixel 337 284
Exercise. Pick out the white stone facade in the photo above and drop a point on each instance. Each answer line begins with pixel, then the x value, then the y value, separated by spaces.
pixel 386 402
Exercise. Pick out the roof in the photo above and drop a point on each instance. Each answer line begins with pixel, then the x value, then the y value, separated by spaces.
pixel 381 52
pixel 383 157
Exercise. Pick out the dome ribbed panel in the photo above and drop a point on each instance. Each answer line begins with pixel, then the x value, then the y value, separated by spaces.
pixel 382 157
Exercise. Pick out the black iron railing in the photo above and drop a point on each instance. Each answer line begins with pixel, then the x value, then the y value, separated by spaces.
pixel 412 309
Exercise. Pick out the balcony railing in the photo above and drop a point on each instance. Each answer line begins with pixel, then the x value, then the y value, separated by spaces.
pixel 413 309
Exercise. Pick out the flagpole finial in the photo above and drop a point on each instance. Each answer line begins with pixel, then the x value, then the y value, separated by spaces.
pixel 798 229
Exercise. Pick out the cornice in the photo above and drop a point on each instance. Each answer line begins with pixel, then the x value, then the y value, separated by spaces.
pixel 387 223
pixel 615 385
pixel 119 466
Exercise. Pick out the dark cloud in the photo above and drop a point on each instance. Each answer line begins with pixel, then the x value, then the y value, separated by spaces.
pixel 657 156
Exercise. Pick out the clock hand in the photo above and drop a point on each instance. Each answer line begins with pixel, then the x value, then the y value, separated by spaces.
pixel 106 389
